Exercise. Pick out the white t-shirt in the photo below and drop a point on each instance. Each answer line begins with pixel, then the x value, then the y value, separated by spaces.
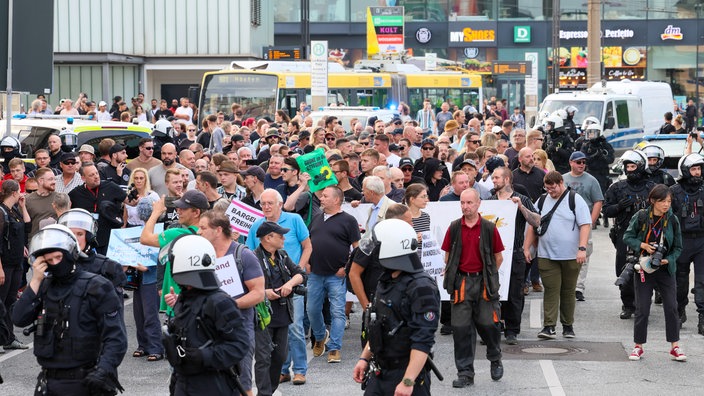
pixel 187 111
pixel 561 240
pixel 392 160
pixel 103 116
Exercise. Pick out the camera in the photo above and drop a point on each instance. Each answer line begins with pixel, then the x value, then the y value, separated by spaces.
pixel 656 257
pixel 627 273
pixel 300 290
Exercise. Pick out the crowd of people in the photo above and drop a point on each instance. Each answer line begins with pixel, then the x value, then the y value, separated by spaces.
pixel 307 252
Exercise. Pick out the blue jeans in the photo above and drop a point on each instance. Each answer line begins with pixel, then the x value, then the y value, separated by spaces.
pixel 335 288
pixel 296 340
pixel 146 319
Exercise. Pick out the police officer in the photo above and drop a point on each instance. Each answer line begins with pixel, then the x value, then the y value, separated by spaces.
pixel 79 335
pixel 688 205
pixel 599 154
pixel 656 157
pixel 9 149
pixel 162 133
pixel 621 201
pixel 559 145
pixel 206 338
pixel 403 318
pixel 570 126
pixel 84 227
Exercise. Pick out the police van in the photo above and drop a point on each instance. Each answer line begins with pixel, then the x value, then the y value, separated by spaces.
pixel 626 109
pixel 33 132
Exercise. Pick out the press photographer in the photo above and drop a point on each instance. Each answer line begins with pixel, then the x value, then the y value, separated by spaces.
pixel 655 234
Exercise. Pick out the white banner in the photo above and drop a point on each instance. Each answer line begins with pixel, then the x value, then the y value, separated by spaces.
pixel 124 246
pixel 502 213
pixel 229 276
pixel 242 216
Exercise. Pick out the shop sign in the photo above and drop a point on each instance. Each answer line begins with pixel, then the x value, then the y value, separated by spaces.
pixel 471 52
pixel 607 34
pixel 521 34
pixel 423 35
pixel 385 30
pixel 630 73
pixel 469 35
pixel 672 33
pixel 573 73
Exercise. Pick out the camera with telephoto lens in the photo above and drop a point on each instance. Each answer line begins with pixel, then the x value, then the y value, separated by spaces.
pixel 627 273
pixel 299 289
pixel 656 257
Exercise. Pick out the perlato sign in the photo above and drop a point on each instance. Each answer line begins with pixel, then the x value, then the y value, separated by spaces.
pixel 469 35
pixel 607 34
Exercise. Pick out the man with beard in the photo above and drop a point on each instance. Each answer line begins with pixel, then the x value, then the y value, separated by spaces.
pixel 39 202
pixel 146 158
pixel 157 174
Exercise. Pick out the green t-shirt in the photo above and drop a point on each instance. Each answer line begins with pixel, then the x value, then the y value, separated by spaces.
pixel 165 238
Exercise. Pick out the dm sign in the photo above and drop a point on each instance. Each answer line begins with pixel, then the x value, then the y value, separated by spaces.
pixel 317 166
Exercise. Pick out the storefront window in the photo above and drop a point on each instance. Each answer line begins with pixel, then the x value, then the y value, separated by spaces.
pixel 572 10
pixel 329 10
pixel 473 10
pixel 424 10
pixel 674 65
pixel 626 10
pixel 287 11
pixel 521 9
pixel 358 9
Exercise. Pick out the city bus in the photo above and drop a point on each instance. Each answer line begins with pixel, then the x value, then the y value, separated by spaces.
pixel 263 87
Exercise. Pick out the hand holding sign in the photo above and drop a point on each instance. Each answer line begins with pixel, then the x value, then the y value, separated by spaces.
pixel 316 165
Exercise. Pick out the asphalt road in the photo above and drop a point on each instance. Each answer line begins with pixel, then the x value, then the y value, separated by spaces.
pixel 594 363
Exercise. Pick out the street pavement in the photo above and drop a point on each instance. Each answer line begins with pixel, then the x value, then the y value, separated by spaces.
pixel 594 363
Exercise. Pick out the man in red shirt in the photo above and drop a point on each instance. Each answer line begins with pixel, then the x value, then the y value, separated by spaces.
pixel 473 256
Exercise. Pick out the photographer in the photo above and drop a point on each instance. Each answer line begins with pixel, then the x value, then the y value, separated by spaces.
pixel 282 279
pixel 654 232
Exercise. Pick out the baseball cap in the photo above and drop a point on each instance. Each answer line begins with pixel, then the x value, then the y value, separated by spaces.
pixel 428 141
pixel 268 227
pixel 496 129
pixel 256 172
pixel 116 148
pixel 398 131
pixel 192 199
pixel 102 103
pixel 577 155
pixel 68 156
pixel 405 161
pixel 467 161
pixel 237 138
pixel 394 147
pixel 87 148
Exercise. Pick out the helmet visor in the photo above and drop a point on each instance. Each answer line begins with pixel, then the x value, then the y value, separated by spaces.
pixel 76 219
pixel 50 240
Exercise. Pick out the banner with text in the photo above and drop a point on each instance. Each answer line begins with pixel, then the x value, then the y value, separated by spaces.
pixel 229 276
pixel 317 166
pixel 124 246
pixel 242 216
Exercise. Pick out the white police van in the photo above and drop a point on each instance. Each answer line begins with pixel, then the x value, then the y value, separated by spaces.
pixel 626 109
pixel 346 113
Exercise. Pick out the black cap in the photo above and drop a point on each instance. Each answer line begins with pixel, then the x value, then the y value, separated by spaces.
pixel 398 131
pixel 192 199
pixel 237 138
pixel 68 156
pixel 394 147
pixel 405 161
pixel 428 141
pixel 256 172
pixel 268 227
pixel 116 148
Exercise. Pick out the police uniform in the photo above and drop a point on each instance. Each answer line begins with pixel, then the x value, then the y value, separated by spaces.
pixel 109 269
pixel 661 177
pixel 403 317
pixel 80 337
pixel 688 206
pixel 621 201
pixel 559 148
pixel 206 337
pixel 599 154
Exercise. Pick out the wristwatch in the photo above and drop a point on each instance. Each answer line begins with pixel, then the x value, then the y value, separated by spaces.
pixel 582 248
pixel 408 382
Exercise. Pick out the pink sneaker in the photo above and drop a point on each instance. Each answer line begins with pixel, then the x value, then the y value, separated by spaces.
pixel 637 353
pixel 677 354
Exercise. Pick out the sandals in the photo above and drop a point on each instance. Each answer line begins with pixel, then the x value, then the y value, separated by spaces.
pixel 139 353
pixel 155 357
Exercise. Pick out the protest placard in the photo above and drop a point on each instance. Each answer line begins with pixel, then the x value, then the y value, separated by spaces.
pixel 317 166
pixel 242 216
pixel 124 246
pixel 229 276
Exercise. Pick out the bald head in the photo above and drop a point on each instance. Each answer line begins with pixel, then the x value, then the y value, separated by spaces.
pixel 469 193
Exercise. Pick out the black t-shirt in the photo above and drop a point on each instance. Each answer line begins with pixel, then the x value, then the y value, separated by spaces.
pixel 110 173
pixel 372 270
pixel 352 195
pixel 532 181
pixel 159 114
pixel 204 139
pixel 95 202
pixel 331 241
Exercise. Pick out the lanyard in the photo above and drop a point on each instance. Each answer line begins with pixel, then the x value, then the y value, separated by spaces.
pixel 95 194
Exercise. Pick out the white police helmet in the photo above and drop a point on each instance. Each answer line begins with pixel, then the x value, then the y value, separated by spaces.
pixel 592 131
pixel 51 238
pixel 398 244
pixel 589 121
pixel 163 128
pixel 192 260
pixel 554 121
pixel 687 162
pixel 653 151
pixel 81 219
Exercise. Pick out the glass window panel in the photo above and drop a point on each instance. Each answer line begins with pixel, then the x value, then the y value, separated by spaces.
pixel 522 9
pixel 358 9
pixel 426 10
pixel 329 11
pixel 473 10
pixel 287 10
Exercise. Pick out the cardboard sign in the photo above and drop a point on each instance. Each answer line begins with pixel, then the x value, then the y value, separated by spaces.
pixel 229 276
pixel 317 166
pixel 242 216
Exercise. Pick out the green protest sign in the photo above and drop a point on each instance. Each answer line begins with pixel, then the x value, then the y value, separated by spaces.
pixel 317 166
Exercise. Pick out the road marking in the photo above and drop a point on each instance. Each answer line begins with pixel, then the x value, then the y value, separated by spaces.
pixel 551 378
pixel 536 309
pixel 16 352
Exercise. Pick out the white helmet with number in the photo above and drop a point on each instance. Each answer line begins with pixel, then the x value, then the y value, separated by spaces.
pixel 560 113
pixel 398 244
pixel 51 238
pixel 192 259
pixel 81 219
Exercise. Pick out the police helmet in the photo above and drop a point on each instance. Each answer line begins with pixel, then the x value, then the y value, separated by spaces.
pixel 562 113
pixel 163 128
pixel 634 157
pixel 571 110
pixel 589 121
pixel 69 139
pixel 553 122
pixel 398 243
pixel 687 162
pixel 192 259
pixel 51 238
pixel 592 131
pixel 10 141
pixel 81 219
pixel 653 151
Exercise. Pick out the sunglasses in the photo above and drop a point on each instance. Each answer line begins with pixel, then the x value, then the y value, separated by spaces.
pixel 286 169
pixel 364 143
pixel 580 162
pixel 69 162
pixel 330 138
pixel 426 148
pixel 30 191
pixel 475 141
pixel 541 139
pixel 149 148
pixel 404 170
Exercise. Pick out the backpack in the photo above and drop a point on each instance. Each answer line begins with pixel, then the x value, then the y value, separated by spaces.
pixel 571 198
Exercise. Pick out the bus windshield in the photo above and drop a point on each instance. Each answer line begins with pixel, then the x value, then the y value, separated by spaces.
pixel 255 92
pixel 584 108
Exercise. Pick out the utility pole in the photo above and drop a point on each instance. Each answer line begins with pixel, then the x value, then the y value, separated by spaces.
pixel 556 45
pixel 8 107
pixel 593 42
